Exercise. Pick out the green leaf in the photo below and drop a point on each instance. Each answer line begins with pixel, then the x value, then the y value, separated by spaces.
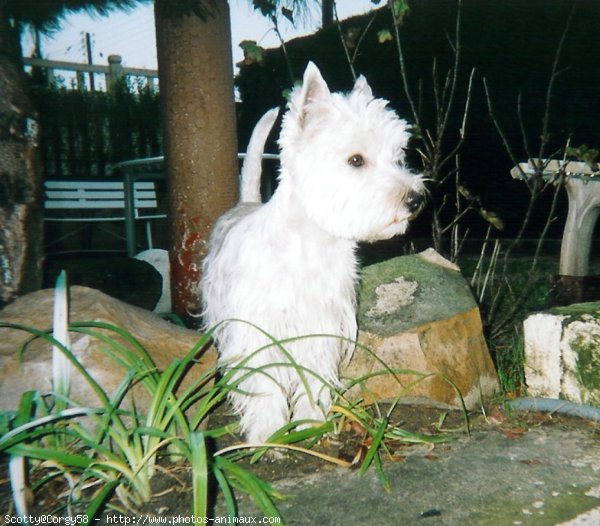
pixel 253 53
pixel 61 366
pixel 266 7
pixel 492 218
pixel 376 441
pixel 25 409
pixel 99 500
pixel 385 35
pixel 288 13
pixel 199 462
pixel 43 453
pixel 25 430
pixel 261 492
pixel 228 495
pixel 399 8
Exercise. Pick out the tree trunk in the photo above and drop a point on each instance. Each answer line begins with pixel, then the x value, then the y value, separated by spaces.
pixel 20 180
pixel 326 13
pixel 196 84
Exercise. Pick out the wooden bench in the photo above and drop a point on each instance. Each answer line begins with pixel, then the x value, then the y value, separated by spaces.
pixel 130 191
pixel 99 201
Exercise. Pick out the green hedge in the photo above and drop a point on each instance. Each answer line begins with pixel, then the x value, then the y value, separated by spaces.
pixel 83 132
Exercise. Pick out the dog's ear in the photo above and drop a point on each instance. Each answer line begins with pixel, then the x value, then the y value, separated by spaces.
pixel 361 86
pixel 314 90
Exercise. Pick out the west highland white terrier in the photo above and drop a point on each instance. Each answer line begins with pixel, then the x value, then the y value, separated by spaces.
pixel 287 269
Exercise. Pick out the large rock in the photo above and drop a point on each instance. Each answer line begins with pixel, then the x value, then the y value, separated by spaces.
pixel 562 353
pixel 417 313
pixel 32 369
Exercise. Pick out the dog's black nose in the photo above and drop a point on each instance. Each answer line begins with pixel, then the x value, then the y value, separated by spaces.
pixel 414 200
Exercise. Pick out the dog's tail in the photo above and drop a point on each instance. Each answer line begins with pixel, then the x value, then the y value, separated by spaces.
pixel 252 166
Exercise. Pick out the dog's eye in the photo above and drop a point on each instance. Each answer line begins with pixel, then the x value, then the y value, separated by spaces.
pixel 356 160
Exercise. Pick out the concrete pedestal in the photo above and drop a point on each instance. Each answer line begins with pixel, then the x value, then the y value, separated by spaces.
pixel 583 190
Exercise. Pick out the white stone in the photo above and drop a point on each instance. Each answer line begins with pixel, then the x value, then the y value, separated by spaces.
pixel 562 353
pixel 543 367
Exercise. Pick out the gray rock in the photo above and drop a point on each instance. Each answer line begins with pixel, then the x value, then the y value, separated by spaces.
pixel 418 318
pixel 32 369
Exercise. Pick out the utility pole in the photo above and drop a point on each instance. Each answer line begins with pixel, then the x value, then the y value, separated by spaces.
pixel 88 47
pixel 37 49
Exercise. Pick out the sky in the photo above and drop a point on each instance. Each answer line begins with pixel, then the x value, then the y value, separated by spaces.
pixel 131 34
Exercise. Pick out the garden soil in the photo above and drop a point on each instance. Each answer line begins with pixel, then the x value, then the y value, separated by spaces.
pixel 507 469
pixel 510 469
pixel 519 469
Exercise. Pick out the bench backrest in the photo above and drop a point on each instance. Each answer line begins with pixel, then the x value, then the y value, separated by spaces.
pixel 97 195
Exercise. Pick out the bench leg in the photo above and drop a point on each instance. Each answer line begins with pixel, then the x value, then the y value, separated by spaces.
pixel 149 234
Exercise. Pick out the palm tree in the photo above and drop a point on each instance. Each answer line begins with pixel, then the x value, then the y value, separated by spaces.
pixel 327 12
pixel 196 81
pixel 20 179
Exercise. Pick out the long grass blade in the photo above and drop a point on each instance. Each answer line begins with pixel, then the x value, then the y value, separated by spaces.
pixel 228 497
pixel 61 367
pixel 199 461
pixel 10 438
pixel 99 500
pixel 43 453
pixel 291 447
pixel 373 451
pixel 18 485
pixel 261 492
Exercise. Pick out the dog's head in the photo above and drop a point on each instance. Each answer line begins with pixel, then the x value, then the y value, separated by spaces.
pixel 343 158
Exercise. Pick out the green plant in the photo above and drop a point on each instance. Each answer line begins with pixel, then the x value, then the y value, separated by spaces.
pixel 510 361
pixel 378 425
pixel 380 433
pixel 114 449
pixel 584 153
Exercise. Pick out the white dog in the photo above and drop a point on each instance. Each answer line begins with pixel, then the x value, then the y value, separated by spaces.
pixel 288 267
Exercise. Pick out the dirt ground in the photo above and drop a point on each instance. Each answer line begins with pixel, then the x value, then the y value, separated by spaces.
pixel 171 485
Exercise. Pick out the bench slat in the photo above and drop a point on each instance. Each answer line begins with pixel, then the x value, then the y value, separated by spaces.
pixel 95 185
pixel 92 194
pixel 97 205
pixel 83 205
pixel 97 195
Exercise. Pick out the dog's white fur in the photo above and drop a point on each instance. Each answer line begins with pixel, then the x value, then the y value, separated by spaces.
pixel 289 266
